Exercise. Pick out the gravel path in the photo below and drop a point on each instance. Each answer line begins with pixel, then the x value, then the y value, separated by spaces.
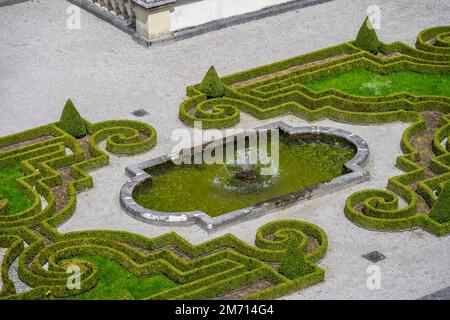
pixel 108 76
pixel 2 253
pixel 14 276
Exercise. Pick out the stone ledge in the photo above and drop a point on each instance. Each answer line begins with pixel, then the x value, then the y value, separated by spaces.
pixel 191 31
pixel 443 294
pixel 105 16
pixel 154 4
pixel 210 224
pixel 4 3
pixel 232 21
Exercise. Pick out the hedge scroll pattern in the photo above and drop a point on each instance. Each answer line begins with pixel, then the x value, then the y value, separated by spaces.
pixel 278 89
pixel 418 187
pixel 55 167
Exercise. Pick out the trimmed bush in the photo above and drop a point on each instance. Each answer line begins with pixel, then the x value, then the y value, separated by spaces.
pixel 211 85
pixel 293 264
pixel 440 211
pixel 280 91
pixel 71 121
pixel 213 268
pixel 367 38
pixel 285 93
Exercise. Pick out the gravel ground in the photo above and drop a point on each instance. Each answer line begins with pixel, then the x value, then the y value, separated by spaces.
pixel 14 276
pixel 108 75
pixel 2 253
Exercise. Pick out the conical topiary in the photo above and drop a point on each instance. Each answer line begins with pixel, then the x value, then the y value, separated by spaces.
pixel 367 38
pixel 211 85
pixel 71 121
pixel 293 264
pixel 441 209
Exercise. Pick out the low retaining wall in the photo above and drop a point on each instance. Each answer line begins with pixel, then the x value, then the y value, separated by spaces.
pixel 155 21
pixel 210 224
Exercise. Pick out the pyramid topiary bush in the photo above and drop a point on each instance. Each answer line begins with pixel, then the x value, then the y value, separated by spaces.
pixel 441 209
pixel 293 264
pixel 71 121
pixel 367 38
pixel 211 85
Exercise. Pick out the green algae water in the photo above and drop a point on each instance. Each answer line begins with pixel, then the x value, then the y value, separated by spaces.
pixel 363 82
pixel 185 188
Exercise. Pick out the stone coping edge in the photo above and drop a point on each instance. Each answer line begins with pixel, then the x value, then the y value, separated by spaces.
pixel 210 224
pixel 4 3
pixel 191 31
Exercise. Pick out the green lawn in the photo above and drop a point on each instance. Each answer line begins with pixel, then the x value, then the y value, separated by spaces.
pixel 362 82
pixel 17 199
pixel 114 280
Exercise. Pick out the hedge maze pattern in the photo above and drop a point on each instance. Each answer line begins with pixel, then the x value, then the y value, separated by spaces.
pixel 278 89
pixel 56 167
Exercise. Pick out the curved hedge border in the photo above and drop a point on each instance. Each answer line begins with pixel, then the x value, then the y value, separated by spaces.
pixel 435 39
pixel 201 271
pixel 41 161
pixel 379 209
pixel 42 153
pixel 277 91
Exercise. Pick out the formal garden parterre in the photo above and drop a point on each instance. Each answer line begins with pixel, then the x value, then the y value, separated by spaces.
pixel 55 161
pixel 365 81
pixel 44 169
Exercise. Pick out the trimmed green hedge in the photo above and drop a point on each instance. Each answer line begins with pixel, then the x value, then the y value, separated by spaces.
pixel 71 121
pixel 379 209
pixel 201 271
pixel 207 270
pixel 277 89
pixel 440 212
pixel 41 153
pixel 211 85
pixel 439 45
pixel 367 38
pixel 294 265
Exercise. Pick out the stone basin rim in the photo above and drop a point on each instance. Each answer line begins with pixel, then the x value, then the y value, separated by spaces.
pixel 138 175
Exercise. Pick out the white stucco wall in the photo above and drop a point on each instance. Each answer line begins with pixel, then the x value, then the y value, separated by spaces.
pixel 198 12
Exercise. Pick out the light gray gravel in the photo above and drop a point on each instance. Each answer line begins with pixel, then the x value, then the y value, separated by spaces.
pixel 2 253
pixel 108 75
pixel 14 276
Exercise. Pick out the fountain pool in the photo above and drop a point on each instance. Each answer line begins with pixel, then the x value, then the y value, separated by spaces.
pixel 310 158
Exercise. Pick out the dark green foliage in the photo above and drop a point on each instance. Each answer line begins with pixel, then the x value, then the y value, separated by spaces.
pixel 441 209
pixel 293 264
pixel 211 85
pixel 367 38
pixel 72 122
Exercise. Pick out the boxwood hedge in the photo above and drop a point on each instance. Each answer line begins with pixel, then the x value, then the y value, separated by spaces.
pixel 200 271
pixel 278 89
